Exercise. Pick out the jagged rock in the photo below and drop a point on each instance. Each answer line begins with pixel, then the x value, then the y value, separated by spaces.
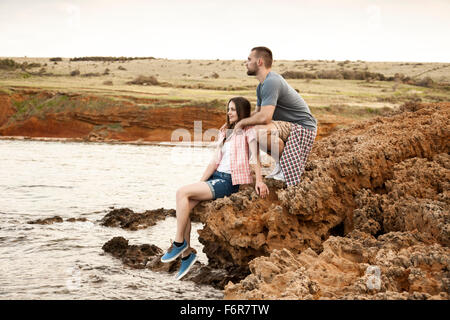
pixel 135 256
pixel 407 269
pixel 370 220
pixel 417 197
pixel 362 177
pixel 128 219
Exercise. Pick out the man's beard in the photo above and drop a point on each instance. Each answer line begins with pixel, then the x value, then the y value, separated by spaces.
pixel 252 72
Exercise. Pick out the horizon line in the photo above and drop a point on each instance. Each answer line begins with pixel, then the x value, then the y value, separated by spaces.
pixel 216 59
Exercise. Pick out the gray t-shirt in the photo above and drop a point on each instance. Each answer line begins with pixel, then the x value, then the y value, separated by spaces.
pixel 289 105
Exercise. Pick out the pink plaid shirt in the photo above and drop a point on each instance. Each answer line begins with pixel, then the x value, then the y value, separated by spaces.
pixel 240 163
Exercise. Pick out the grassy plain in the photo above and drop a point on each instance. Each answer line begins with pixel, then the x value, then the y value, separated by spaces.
pixel 213 82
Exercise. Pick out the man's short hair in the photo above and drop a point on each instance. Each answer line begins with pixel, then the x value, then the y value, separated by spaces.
pixel 265 54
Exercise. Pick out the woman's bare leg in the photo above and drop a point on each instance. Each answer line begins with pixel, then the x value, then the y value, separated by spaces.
pixel 187 231
pixel 198 191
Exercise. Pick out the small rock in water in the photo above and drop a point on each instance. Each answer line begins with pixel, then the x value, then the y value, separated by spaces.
pixel 128 219
pixel 55 219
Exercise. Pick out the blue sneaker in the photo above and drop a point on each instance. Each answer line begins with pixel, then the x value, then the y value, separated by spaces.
pixel 187 264
pixel 174 252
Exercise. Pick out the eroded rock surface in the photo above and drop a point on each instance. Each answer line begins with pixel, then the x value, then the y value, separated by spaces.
pixel 397 265
pixel 382 177
pixel 370 220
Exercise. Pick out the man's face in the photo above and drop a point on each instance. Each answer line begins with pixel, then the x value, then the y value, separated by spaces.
pixel 252 64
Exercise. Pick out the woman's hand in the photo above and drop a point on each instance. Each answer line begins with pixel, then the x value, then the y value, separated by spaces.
pixel 261 189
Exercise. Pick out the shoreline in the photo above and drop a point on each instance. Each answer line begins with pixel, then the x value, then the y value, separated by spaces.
pixel 196 144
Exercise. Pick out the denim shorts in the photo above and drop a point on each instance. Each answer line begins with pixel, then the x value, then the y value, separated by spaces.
pixel 221 185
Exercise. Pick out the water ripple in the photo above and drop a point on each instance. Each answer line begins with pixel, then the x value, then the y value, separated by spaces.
pixel 64 260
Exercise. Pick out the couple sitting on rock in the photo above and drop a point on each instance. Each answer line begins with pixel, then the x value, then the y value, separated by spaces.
pixel 282 124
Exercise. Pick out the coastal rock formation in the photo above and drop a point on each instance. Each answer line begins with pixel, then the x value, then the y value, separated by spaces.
pixel 357 193
pixel 135 256
pixel 397 265
pixel 128 219
pixel 416 198
pixel 370 220
pixel 148 256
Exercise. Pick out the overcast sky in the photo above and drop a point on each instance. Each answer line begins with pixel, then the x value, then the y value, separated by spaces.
pixel 371 30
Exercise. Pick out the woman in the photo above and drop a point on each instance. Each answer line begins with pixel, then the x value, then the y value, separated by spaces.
pixel 229 168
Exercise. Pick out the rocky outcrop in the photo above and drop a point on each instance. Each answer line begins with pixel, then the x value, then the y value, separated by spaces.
pixel 370 220
pixel 359 179
pixel 128 219
pixel 416 198
pixel 135 256
pixel 397 265
pixel 148 256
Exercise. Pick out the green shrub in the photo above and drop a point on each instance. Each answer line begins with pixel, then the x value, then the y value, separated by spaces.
pixel 9 64
pixel 145 80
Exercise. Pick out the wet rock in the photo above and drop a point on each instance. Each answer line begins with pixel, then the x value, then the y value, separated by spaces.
pixel 55 219
pixel 128 219
pixel 76 219
pixel 148 256
pixel 217 278
pixel 135 256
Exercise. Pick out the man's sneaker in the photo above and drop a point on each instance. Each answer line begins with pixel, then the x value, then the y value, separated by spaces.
pixel 275 171
pixel 186 264
pixel 174 252
pixel 279 176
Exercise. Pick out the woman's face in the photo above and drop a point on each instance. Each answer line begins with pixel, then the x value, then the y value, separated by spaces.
pixel 232 114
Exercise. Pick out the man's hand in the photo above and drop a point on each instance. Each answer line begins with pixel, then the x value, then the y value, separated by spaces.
pixel 238 127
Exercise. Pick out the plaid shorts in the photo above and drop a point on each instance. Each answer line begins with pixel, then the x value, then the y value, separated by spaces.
pixel 295 153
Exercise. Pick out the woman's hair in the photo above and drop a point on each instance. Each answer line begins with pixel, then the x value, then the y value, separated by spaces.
pixel 243 109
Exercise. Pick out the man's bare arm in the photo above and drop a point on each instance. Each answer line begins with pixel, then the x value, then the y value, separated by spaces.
pixel 264 116
pixel 257 109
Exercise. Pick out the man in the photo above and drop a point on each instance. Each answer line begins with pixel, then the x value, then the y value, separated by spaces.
pixel 282 118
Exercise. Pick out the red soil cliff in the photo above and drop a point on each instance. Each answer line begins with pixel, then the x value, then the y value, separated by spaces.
pixel 118 118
